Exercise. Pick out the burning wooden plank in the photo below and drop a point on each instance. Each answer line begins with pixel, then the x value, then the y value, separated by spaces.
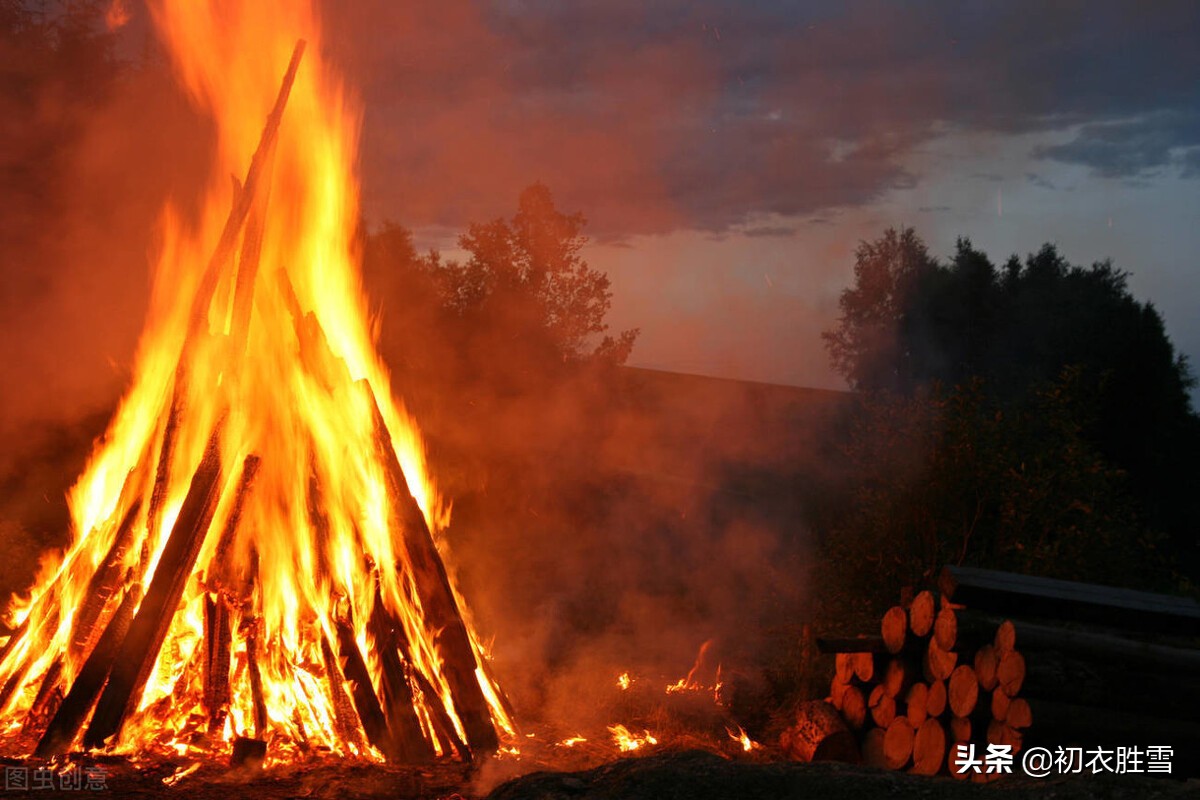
pixel 437 599
pixel 78 703
pixel 140 647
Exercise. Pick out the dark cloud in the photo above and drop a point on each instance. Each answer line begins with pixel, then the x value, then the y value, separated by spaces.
pixel 1133 148
pixel 1040 181
pixel 1190 162
pixel 769 231
pixel 673 115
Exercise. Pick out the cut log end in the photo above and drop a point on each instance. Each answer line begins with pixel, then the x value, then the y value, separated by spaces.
pixel 1010 672
pixel 819 734
pixel 898 743
pixel 921 613
pixel 962 691
pixel 945 628
pixel 894 629
pixel 929 748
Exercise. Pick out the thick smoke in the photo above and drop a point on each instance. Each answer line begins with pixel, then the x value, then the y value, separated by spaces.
pixel 604 522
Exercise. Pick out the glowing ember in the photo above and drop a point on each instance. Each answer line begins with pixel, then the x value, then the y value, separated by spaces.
pixel 627 741
pixel 624 680
pixel 254 539
pixel 571 742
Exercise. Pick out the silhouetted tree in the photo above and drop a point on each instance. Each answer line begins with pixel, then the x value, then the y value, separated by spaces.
pixel 528 272
pixel 909 322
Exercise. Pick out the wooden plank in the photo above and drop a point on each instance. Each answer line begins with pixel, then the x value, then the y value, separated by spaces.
pixel 103 584
pixel 1009 593
pixel 370 713
pixel 395 693
pixel 437 599
pixel 77 704
pixel 345 715
pixel 140 647
pixel 218 644
pixel 242 200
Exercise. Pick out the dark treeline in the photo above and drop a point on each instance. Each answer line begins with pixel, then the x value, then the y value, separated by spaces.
pixel 1032 416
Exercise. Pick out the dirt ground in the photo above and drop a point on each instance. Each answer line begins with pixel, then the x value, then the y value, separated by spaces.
pixel 694 775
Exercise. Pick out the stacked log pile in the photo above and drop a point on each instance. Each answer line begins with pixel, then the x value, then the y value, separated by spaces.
pixel 940 674
pixel 928 683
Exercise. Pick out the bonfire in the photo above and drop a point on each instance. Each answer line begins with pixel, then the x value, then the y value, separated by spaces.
pixel 254 555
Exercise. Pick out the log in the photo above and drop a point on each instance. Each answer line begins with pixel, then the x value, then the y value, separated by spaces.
pixel 960 729
pixel 396 694
pixel 872 748
pixel 46 701
pixel 898 743
pixel 162 468
pixel 218 643
pixel 1006 638
pixel 894 628
pixel 248 261
pixel 221 570
pixel 938 663
pixel 837 692
pixel 929 748
pixel 843 667
pixel 1001 733
pixel 1000 704
pixel 915 704
pixel 140 647
pixel 986 662
pixel 345 717
pixel 854 708
pixel 935 701
pixel 1010 672
pixel 68 719
pixel 863 666
pixel 818 733
pixel 444 732
pixel 945 628
pixel 1019 713
pixel 898 677
pixel 243 200
pixel 104 583
pixel 921 614
pixel 437 599
pixel 882 705
pixel 363 693
pixel 1009 593
pixel 256 688
pixel 962 691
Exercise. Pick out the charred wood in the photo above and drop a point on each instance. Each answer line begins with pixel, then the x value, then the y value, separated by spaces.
pixel 140 647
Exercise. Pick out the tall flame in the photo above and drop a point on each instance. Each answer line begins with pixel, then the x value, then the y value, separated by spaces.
pixel 286 372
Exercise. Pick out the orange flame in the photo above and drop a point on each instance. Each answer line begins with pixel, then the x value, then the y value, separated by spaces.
pixel 627 741
pixel 291 376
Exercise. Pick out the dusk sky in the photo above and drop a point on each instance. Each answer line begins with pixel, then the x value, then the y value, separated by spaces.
pixel 730 156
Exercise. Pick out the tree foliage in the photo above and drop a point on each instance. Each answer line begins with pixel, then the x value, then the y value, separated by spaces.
pixel 964 334
pixel 952 476
pixel 527 275
pixel 522 306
